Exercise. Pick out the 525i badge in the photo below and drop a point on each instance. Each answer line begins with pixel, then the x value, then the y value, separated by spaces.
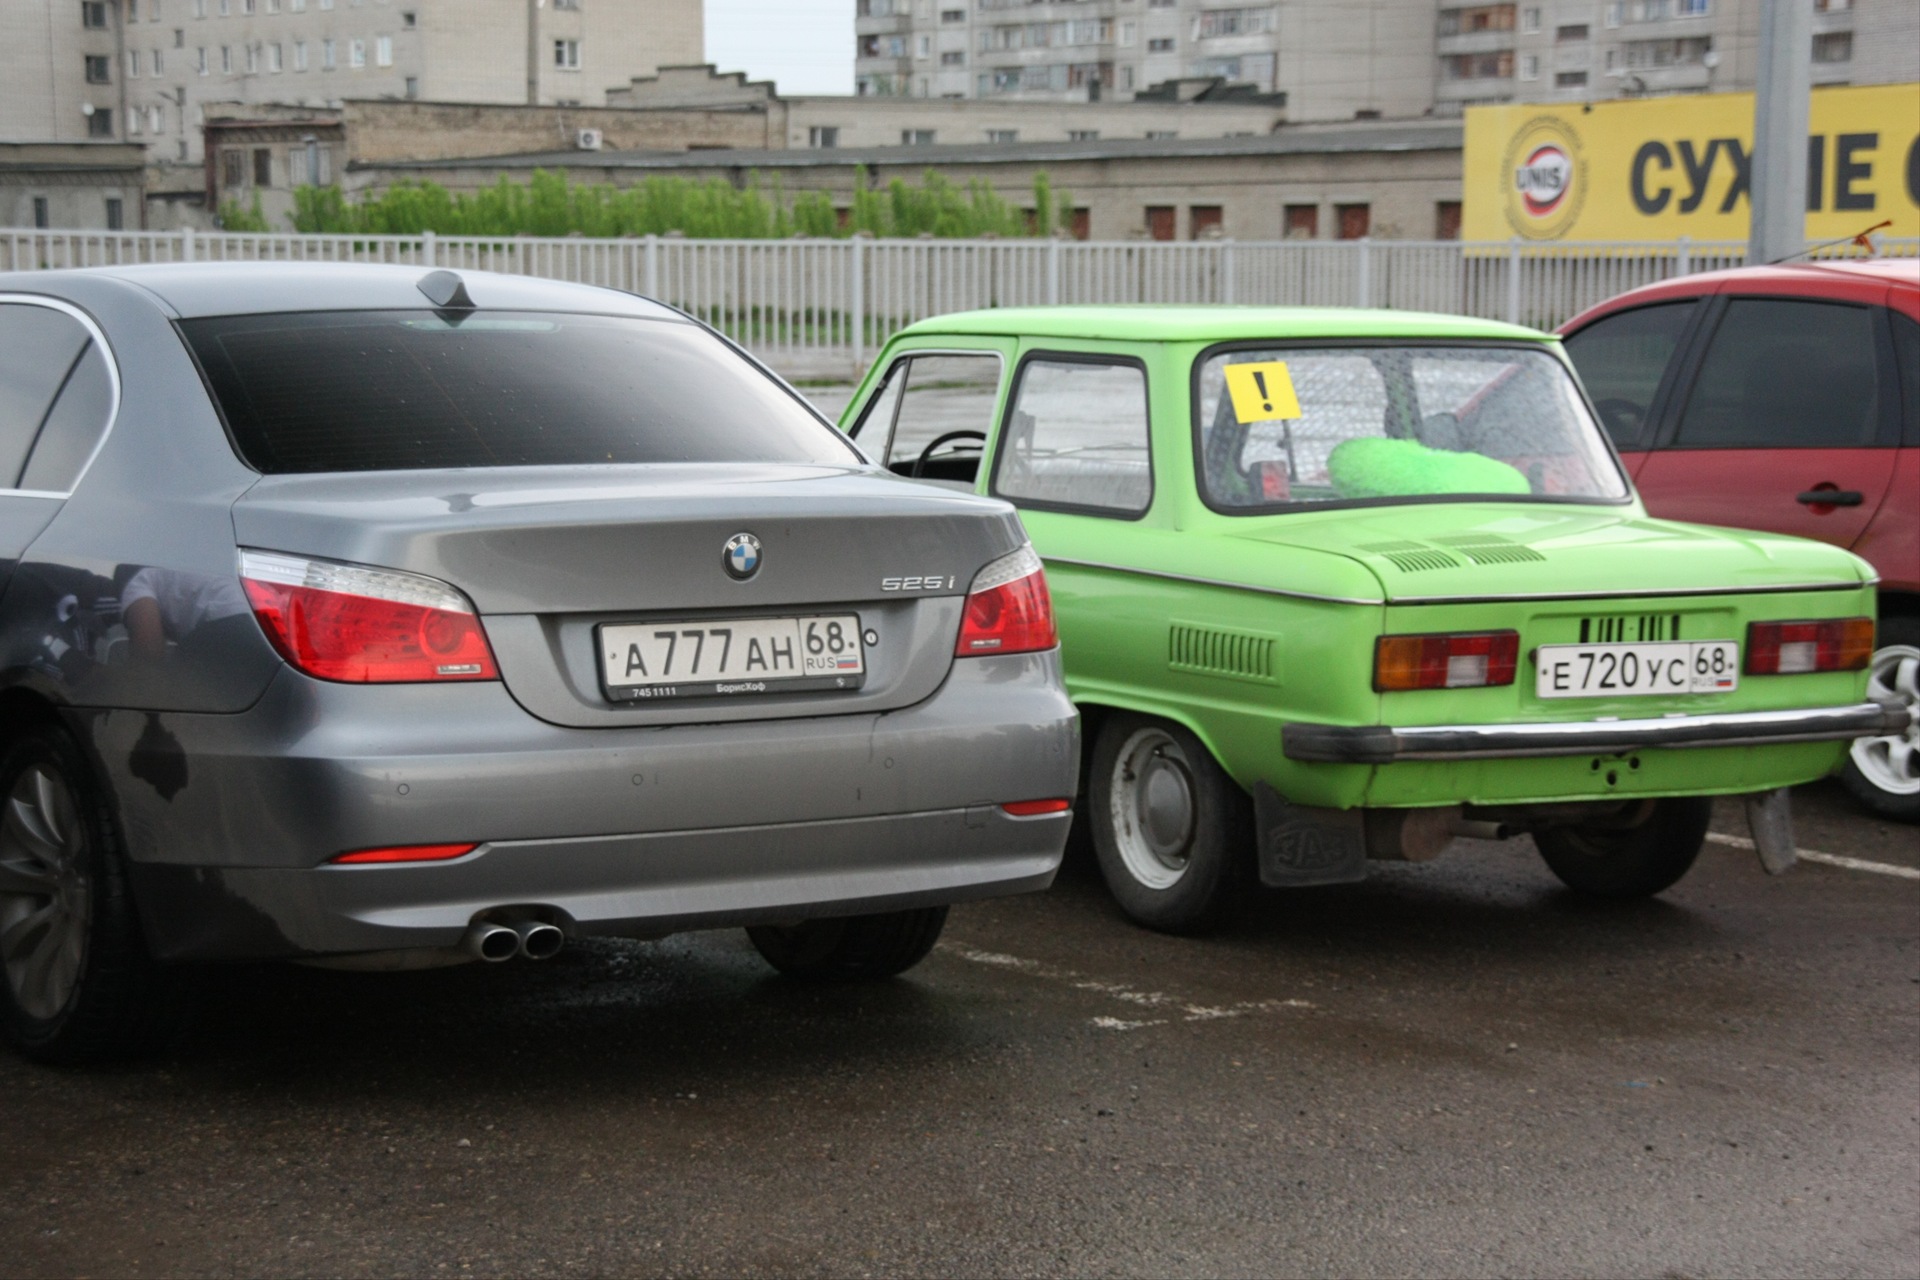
pixel 929 582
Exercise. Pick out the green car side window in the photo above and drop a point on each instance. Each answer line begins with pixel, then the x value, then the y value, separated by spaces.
pixel 1393 423
pixel 1075 438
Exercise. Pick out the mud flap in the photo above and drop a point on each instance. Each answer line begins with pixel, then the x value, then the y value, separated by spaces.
pixel 1770 819
pixel 1302 846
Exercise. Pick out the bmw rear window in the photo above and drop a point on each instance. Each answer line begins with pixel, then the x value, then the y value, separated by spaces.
pixel 409 390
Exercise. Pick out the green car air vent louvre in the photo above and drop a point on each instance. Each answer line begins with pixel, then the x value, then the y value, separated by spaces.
pixel 1411 557
pixel 1488 548
pixel 1212 652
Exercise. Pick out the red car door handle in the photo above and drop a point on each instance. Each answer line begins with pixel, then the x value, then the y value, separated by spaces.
pixel 1831 498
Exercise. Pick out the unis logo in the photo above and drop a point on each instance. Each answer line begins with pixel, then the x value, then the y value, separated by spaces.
pixel 1545 178
pixel 741 556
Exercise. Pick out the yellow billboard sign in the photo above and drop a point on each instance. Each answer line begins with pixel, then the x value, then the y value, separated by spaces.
pixel 1661 168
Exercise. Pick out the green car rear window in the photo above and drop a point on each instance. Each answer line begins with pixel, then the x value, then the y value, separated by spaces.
pixel 1285 427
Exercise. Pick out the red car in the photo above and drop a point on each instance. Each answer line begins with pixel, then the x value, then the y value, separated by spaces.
pixel 1783 398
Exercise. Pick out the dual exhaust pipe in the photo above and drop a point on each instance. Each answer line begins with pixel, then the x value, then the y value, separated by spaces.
pixel 531 939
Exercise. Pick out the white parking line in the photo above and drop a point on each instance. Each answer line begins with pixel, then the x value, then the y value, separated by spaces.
pixel 1179 1007
pixel 1830 859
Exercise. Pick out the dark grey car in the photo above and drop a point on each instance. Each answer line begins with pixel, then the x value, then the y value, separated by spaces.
pixel 389 617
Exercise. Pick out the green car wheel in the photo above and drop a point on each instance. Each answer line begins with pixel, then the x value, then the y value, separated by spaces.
pixel 1609 861
pixel 1173 832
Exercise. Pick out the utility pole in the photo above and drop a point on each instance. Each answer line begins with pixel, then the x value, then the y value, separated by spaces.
pixel 1780 109
pixel 533 53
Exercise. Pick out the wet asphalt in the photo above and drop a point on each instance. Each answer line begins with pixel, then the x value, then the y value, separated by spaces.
pixel 1450 1069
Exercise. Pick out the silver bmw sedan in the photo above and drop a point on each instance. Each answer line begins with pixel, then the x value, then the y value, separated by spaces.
pixel 385 618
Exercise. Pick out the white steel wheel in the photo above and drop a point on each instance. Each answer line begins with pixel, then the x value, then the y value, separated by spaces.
pixel 1152 808
pixel 1891 764
pixel 46 893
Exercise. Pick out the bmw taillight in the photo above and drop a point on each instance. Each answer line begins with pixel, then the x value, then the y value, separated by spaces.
pixel 389 854
pixel 1008 609
pixel 363 625
pixel 1460 660
pixel 1791 648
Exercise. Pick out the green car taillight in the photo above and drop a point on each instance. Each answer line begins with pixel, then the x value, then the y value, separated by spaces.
pixel 1794 648
pixel 1454 660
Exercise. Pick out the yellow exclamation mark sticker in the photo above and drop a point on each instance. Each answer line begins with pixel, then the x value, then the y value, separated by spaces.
pixel 1262 392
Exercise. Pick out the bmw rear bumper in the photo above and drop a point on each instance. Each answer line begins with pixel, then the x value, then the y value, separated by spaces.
pixel 1386 744
pixel 230 820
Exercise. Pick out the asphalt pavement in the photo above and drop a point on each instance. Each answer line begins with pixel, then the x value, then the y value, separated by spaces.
pixel 1451 1069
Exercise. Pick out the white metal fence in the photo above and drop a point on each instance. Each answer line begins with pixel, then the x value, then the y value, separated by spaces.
pixel 827 304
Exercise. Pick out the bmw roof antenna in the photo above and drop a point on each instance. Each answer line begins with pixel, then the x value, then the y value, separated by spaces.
pixel 446 291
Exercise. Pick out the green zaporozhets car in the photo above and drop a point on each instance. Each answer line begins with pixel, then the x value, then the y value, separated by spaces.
pixel 1336 584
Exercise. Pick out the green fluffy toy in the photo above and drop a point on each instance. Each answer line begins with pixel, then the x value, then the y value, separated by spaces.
pixel 1380 468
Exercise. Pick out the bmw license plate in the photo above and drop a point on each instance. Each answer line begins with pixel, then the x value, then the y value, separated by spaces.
pixel 1636 670
pixel 722 658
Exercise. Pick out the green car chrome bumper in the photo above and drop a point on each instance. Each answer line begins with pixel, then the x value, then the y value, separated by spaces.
pixel 1384 744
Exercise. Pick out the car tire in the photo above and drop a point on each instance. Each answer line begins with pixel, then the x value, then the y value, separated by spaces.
pixel 1884 773
pixel 851 948
pixel 76 982
pixel 1629 862
pixel 1172 831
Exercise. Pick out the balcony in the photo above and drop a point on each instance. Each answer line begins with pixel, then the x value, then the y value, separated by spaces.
pixel 1474 42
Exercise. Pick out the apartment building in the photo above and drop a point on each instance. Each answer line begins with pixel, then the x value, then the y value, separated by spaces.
pixel 140 70
pixel 1584 51
pixel 1333 59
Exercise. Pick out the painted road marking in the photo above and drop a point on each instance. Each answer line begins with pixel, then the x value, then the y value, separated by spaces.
pixel 1176 1007
pixel 1830 859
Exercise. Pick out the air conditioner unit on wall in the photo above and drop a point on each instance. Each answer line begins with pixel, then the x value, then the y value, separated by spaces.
pixel 589 139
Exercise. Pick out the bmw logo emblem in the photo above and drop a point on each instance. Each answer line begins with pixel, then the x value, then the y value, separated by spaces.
pixel 741 557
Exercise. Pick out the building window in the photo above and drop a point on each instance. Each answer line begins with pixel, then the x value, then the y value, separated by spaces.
pixel 1833 46
pixel 199 8
pixel 1446 220
pixel 1530 66
pixel 156 120
pixel 40 218
pixel 233 169
pixel 1162 135
pixel 98 69
pixel 1354 220
pixel 1832 6
pixel 1083 135
pixel 133 64
pixel 1613 14
pixel 1160 220
pixel 1003 135
pixel 262 167
pixel 100 124
pixel 566 55
pixel 383 51
pixel 1162 45
pixel 1701 8
pixel 1570 80
pixel 159 67
pixel 253 58
pixel 93 13
pixel 1206 221
pixel 823 136
pixel 1685 52
pixel 567 4
pixel 226 59
pixel 1486 17
pixel 413 86
pixel 953 15
pixel 200 59
pixel 409 19
pixel 226 7
pixel 953 58
pixel 1571 33
pixel 327 61
pixel 298 6
pixel 1530 19
pixel 179 37
pixel 116 214
pixel 1248 22
pixel 916 137
pixel 299 55
pixel 922 48
pixel 356 53
pixel 1479 66
pixel 134 122
pixel 274 58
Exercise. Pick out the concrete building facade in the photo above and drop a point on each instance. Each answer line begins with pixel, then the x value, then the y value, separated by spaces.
pixel 1385 180
pixel 1583 51
pixel 94 186
pixel 152 65
pixel 1333 59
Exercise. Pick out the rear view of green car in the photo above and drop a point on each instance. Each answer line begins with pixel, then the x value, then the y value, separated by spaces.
pixel 1343 585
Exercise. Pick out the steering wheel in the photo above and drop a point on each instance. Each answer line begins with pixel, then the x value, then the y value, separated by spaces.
pixel 927 453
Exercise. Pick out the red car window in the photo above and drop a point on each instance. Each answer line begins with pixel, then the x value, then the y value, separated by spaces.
pixel 1786 374
pixel 1622 358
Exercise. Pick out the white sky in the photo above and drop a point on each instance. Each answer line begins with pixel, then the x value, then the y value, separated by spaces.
pixel 804 45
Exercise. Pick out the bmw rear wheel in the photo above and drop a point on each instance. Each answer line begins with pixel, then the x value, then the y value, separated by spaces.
pixel 1884 773
pixel 1173 832
pixel 850 948
pixel 76 984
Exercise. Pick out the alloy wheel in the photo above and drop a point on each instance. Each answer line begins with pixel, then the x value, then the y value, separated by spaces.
pixel 45 892
pixel 1892 763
